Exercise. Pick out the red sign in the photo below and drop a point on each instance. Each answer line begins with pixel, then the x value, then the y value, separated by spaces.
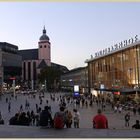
pixel 12 78
pixel 117 93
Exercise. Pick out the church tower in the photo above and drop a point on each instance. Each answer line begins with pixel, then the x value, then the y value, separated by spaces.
pixel 44 51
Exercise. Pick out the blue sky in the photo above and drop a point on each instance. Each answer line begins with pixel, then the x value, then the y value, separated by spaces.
pixel 76 29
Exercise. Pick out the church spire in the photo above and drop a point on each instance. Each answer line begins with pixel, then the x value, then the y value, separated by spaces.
pixel 44 36
pixel 44 30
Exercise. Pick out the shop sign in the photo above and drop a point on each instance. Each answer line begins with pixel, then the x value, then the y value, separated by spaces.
pixel 118 46
pixel 117 93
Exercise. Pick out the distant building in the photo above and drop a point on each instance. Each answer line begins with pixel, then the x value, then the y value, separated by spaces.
pixel 10 63
pixel 33 60
pixel 77 76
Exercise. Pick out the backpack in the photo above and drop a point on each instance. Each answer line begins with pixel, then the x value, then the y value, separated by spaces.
pixel 58 121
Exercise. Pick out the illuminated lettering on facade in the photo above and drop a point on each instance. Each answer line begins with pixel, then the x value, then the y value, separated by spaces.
pixel 116 47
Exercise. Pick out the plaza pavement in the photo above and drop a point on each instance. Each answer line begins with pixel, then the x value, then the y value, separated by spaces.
pixel 116 120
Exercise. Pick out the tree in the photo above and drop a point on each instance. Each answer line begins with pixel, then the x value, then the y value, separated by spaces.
pixel 51 75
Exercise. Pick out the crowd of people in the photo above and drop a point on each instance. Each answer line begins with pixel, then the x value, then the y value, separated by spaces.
pixel 65 117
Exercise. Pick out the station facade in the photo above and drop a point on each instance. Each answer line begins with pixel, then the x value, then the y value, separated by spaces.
pixel 116 69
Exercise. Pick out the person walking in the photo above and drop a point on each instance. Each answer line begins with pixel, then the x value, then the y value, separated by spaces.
pixel 1 119
pixel 9 107
pixel 100 121
pixel 21 108
pixel 115 109
pixel 120 109
pixel 127 119
pixel 134 110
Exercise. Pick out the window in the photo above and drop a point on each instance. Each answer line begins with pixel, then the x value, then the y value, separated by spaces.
pixel 44 46
pixel 40 46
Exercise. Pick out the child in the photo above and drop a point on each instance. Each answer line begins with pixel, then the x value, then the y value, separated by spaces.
pixel 76 118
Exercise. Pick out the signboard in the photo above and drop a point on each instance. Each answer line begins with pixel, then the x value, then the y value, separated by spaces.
pixel 102 86
pixel 117 46
pixel 76 94
pixel 76 88
pixel 117 93
pixel 12 78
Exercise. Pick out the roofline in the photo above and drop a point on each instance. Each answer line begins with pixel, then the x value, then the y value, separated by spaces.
pixel 113 52
pixel 10 44
pixel 59 65
pixel 28 49
pixel 75 69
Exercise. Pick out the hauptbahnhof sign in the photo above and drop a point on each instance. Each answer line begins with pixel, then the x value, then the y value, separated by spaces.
pixel 116 47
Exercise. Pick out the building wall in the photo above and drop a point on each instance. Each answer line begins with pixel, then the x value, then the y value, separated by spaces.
pixel 75 77
pixel 25 74
pixel 1 68
pixel 10 63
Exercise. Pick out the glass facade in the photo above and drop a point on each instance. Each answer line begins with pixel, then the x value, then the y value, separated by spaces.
pixel 118 70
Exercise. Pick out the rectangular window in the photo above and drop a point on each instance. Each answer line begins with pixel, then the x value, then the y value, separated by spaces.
pixel 24 71
pixel 29 70
pixel 34 70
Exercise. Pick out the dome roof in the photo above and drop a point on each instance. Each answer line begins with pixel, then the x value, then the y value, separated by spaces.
pixel 44 36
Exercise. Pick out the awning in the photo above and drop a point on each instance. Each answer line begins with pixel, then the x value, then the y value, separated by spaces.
pixel 110 90
pixel 130 91
pixel 122 91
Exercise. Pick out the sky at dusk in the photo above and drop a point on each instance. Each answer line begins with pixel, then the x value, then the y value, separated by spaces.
pixel 76 29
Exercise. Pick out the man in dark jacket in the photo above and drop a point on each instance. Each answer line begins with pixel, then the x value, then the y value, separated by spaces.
pixel 137 125
pixel 14 120
pixel 23 119
pixel 46 118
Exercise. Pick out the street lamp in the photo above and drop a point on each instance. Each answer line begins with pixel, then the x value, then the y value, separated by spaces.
pixel 45 85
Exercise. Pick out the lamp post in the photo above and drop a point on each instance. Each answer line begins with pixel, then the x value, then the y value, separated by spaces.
pixel 70 81
pixel 32 85
pixel 13 78
pixel 63 84
pixel 45 85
